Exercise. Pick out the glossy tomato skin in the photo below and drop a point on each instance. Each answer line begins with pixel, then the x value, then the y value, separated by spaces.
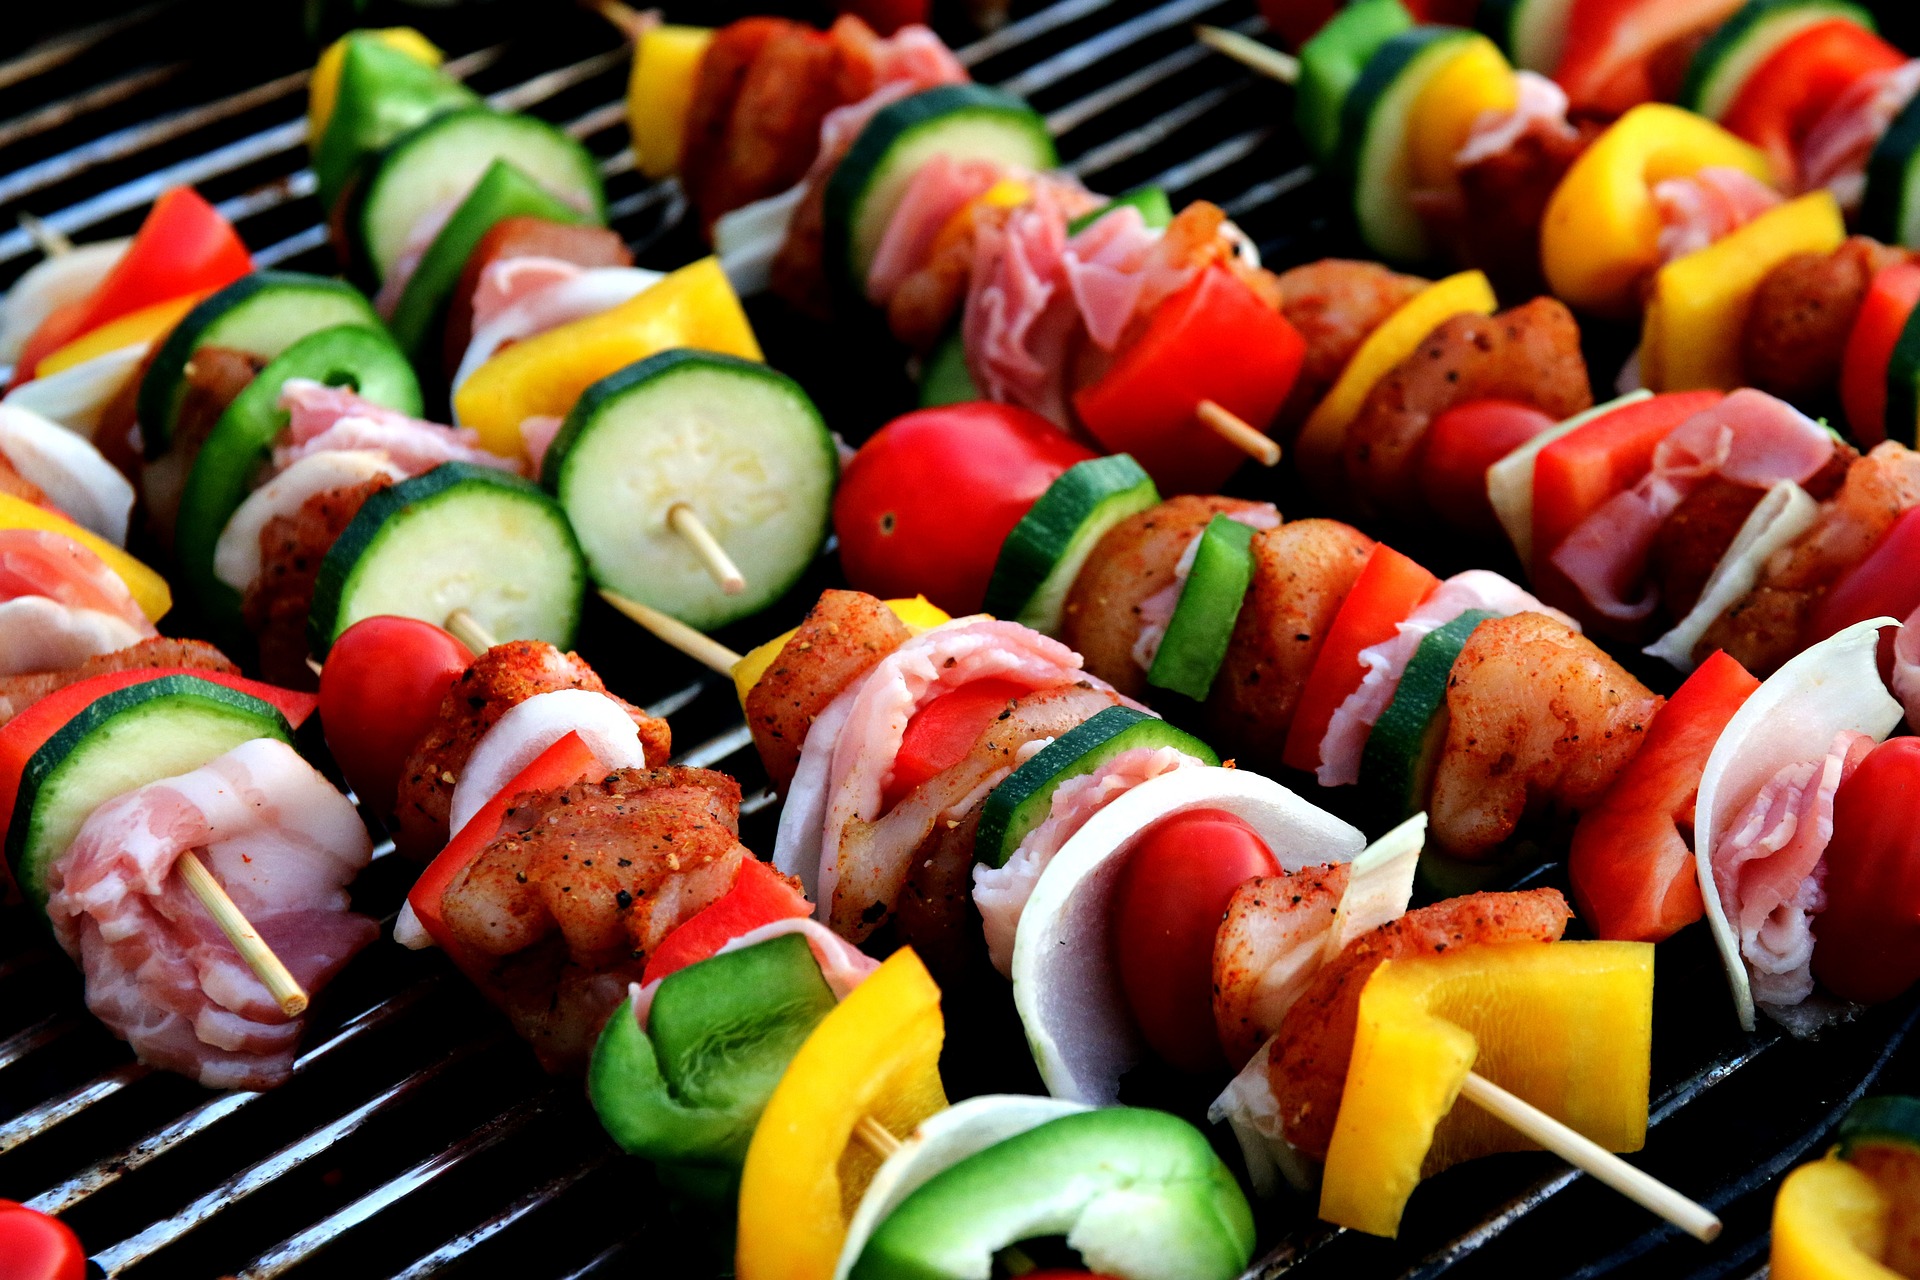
pixel 1461 444
pixel 1167 906
pixel 380 690
pixel 34 1246
pixel 925 504
pixel 1867 941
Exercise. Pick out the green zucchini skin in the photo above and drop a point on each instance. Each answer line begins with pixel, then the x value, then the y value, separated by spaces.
pixel 1044 553
pixel 1721 66
pixel 1403 750
pixel 1890 210
pixel 1202 624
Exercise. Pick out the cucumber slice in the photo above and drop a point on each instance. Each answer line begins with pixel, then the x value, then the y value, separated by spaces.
pixel 1721 67
pixel 262 314
pixel 1532 33
pixel 1890 210
pixel 124 739
pixel 224 469
pixel 945 378
pixel 459 537
pixel 439 162
pixel 965 121
pixel 383 93
pixel 1044 553
pixel 1196 641
pixel 1404 747
pixel 1021 802
pixel 736 441
pixel 1902 412
pixel 1333 60
pixel 1892 1120
pixel 502 192
pixel 1155 209
pixel 1374 125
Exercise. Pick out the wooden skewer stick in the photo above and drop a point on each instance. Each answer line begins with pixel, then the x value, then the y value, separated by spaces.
pixel 470 631
pixel 683 520
pixel 875 1137
pixel 629 21
pixel 268 967
pixel 313 665
pixel 1239 433
pixel 1248 52
pixel 1583 1153
pixel 705 650
pixel 51 240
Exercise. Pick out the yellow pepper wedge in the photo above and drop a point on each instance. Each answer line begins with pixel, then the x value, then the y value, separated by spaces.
pixel 1568 1026
pixel 1318 449
pixel 323 90
pixel 1600 235
pixel 1478 79
pixel 136 328
pixel 149 589
pixel 693 307
pixel 1830 1223
pixel 877 1054
pixel 1699 304
pixel 919 613
pixel 666 62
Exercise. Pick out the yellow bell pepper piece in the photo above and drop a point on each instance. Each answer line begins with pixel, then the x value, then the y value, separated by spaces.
pixel 1830 1223
pixel 1600 236
pixel 920 614
pixel 666 62
pixel 1699 304
pixel 1568 1026
pixel 877 1054
pixel 1477 79
pixel 323 90
pixel 149 589
pixel 693 307
pixel 136 328
pixel 1318 449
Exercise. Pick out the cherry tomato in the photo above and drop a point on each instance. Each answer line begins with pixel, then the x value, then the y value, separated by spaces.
pixel 1867 941
pixel 925 504
pixel 1461 444
pixel 1167 906
pixel 942 732
pixel 34 1246
pixel 382 686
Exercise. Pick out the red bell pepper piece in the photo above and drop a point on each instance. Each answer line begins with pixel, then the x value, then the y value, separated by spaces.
pixel 36 1246
pixel 1214 340
pixel 1388 588
pixel 1883 313
pixel 1610 63
pixel 183 247
pixel 942 733
pixel 560 765
pixel 1867 941
pixel 1886 583
pixel 758 896
pixel 1787 94
pixel 1632 870
pixel 1576 474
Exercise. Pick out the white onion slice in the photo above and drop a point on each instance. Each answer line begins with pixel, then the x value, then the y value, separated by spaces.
pixel 77 397
pixel 1510 480
pixel 69 470
pixel 529 728
pixel 50 285
pixel 1786 512
pixel 236 555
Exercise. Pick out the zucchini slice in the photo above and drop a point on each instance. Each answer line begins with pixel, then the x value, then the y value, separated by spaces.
pixel 1532 33
pixel 1403 750
pixel 1196 641
pixel 1020 803
pixel 262 314
pixel 124 739
pixel 223 471
pixel 439 162
pixel 965 121
pixel 1721 67
pixel 459 537
pixel 1891 1120
pixel 1901 416
pixel 1045 552
pixel 383 92
pixel 737 442
pixel 1890 210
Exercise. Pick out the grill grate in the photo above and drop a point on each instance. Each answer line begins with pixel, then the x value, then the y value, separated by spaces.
pixel 417 1138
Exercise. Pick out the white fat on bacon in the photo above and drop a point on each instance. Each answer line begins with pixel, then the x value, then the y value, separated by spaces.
pixel 1839 144
pixel 521 298
pixel 323 418
pixel 1699 208
pixel 237 554
pixel 159 972
pixel 1156 611
pixel 60 604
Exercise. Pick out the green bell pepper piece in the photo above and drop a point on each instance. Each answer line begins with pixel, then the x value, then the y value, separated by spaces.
pixel 1333 60
pixel 383 93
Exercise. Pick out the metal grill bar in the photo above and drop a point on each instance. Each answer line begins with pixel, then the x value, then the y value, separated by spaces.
pixel 35 1121
pixel 37 1036
pixel 52 54
pixel 544 1194
pixel 1147 136
pixel 1109 42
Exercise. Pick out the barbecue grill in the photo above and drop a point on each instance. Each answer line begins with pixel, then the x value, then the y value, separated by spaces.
pixel 418 1137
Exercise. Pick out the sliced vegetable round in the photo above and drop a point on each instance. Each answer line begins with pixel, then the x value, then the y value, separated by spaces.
pixel 1021 803
pixel 1404 748
pixel 1045 552
pixel 738 443
pixel 963 121
pixel 458 537
pixel 1901 418
pixel 262 314
pixel 1721 67
pixel 1890 210
pixel 383 88
pixel 1890 1120
pixel 1533 33
pixel 440 161
pixel 1196 640
pixel 224 470
pixel 122 740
